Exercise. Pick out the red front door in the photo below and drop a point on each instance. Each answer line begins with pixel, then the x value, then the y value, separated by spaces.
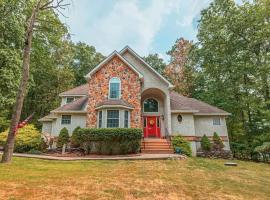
pixel 151 126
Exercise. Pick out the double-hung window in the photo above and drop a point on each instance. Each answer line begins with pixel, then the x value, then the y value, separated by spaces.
pixel 216 121
pixel 66 119
pixel 126 119
pixel 112 118
pixel 115 88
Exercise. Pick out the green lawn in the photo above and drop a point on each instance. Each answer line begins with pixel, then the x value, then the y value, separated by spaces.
pixel 193 178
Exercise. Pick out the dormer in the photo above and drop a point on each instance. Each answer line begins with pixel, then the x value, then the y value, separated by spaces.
pixel 73 94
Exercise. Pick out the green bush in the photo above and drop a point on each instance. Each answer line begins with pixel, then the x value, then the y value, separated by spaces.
pixel 63 137
pixel 75 138
pixel 241 150
pixel 27 139
pixel 205 143
pixel 180 142
pixel 264 148
pixel 217 142
pixel 109 140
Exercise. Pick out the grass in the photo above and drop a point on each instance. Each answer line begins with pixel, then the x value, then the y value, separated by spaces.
pixel 194 178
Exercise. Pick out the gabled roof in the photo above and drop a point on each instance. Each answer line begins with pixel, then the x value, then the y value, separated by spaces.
pixel 106 60
pixel 127 48
pixel 179 103
pixel 81 90
pixel 114 103
pixel 76 106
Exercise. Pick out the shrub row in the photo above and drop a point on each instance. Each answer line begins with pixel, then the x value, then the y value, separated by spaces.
pixel 247 152
pixel 108 140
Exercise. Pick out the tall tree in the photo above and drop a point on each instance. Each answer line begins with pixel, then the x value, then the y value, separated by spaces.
pixel 11 39
pixel 180 71
pixel 156 62
pixel 31 19
pixel 85 58
pixel 233 55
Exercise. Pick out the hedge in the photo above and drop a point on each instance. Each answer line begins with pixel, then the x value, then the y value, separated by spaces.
pixel 109 140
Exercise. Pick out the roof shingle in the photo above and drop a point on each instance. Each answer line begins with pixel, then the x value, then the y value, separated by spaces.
pixel 77 105
pixel 80 90
pixel 179 102
pixel 114 102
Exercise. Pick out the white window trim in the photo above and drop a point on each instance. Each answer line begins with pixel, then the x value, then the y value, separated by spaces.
pixel 70 98
pixel 128 126
pixel 65 123
pixel 107 118
pixel 217 118
pixel 120 85
pixel 100 125
pixel 157 103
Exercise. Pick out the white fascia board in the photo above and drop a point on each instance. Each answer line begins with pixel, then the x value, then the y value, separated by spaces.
pixel 184 111
pixel 212 114
pixel 127 48
pixel 69 112
pixel 115 53
pixel 113 106
pixel 72 95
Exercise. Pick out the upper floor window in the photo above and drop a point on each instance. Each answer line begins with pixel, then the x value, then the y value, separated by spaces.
pixel 70 99
pixel 115 88
pixel 150 105
pixel 216 121
pixel 66 119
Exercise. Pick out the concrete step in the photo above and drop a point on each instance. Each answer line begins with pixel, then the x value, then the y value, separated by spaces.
pixel 158 151
pixel 155 145
pixel 157 148
pixel 154 142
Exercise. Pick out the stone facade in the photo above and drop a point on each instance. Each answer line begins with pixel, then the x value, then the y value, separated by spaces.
pixel 99 90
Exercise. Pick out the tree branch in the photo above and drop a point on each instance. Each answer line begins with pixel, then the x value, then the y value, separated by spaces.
pixel 59 4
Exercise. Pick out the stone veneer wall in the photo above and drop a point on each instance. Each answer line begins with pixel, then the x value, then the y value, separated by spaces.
pixel 130 90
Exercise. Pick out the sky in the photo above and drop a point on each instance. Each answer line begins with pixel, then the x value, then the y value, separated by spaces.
pixel 147 26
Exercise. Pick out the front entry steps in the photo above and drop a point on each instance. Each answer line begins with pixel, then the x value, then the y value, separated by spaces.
pixel 156 146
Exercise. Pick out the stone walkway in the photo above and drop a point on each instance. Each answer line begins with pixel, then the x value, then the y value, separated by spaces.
pixel 96 157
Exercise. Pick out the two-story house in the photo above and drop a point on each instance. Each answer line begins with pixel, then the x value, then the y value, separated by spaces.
pixel 124 91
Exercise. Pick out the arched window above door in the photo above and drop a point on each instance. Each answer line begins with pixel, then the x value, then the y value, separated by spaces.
pixel 150 105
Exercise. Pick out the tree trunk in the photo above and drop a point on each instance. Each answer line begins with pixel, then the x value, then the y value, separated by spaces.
pixel 17 109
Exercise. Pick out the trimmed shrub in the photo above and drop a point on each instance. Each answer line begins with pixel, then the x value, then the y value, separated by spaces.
pixel 27 139
pixel 217 142
pixel 109 140
pixel 205 143
pixel 75 143
pixel 180 142
pixel 63 137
